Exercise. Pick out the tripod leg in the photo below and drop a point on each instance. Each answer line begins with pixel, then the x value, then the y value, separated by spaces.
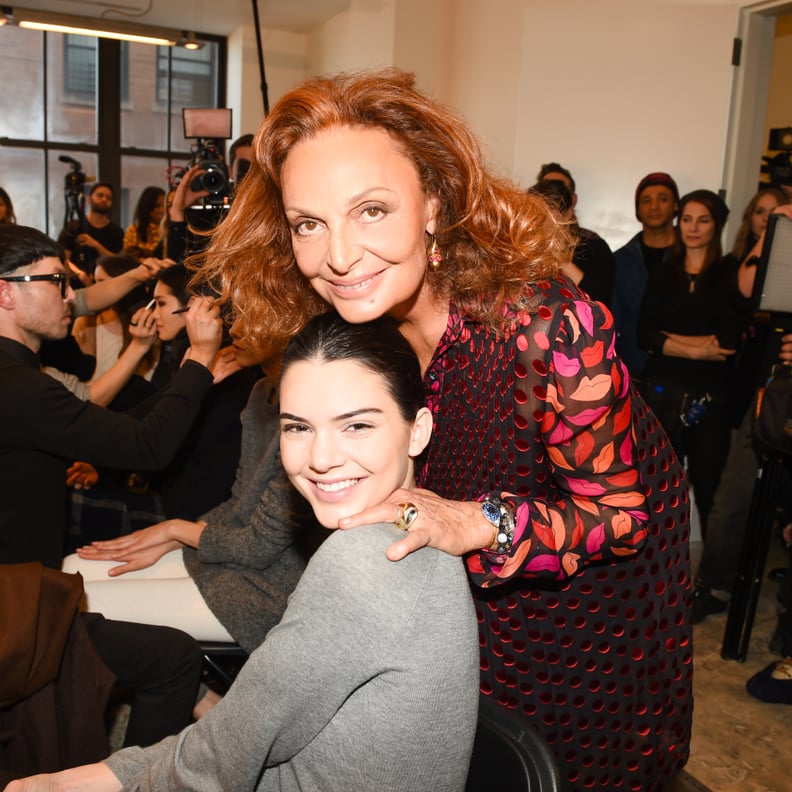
pixel 752 561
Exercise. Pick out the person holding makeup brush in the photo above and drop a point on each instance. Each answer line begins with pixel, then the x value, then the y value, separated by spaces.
pixel 202 471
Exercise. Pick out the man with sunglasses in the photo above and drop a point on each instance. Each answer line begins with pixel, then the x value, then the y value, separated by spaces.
pixel 45 427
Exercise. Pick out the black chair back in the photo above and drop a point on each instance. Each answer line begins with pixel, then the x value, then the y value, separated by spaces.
pixel 508 752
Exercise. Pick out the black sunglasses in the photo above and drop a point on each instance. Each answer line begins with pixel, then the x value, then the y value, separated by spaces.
pixel 55 277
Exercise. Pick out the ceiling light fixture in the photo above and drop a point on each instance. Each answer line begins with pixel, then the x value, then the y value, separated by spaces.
pixel 189 41
pixel 88 26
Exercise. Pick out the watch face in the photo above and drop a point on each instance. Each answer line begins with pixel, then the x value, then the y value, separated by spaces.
pixel 491 512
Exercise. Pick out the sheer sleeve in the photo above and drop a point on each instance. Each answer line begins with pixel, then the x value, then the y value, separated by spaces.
pixel 573 402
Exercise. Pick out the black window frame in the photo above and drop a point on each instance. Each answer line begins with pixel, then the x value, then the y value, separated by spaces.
pixel 112 70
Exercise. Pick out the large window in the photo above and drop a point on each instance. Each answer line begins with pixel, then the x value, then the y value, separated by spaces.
pixel 115 108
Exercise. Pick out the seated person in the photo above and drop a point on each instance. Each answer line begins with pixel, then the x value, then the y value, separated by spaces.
pixel 370 681
pixel 227 575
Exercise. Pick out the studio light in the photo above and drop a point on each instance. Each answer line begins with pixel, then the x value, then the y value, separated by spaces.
pixel 87 26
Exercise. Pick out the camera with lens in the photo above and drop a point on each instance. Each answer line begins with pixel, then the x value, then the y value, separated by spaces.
pixel 209 126
pixel 214 178
pixel 75 179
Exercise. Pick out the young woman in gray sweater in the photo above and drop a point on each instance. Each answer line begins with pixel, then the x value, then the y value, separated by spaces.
pixel 370 681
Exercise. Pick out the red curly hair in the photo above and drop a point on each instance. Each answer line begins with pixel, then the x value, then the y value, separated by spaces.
pixel 494 236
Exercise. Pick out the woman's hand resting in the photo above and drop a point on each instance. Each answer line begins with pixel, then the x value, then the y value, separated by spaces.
pixel 143 548
pixel 706 347
pixel 81 476
pixel 455 527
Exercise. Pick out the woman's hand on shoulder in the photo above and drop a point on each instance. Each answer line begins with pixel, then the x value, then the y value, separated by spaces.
pixel 456 527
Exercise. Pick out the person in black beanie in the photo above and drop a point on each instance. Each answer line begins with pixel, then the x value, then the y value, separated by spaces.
pixel 656 205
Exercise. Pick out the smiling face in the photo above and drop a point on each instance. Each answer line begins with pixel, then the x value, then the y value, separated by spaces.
pixel 169 325
pixel 761 213
pixel 350 449
pixel 696 225
pixel 359 218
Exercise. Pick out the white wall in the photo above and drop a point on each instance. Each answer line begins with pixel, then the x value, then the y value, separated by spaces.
pixel 362 37
pixel 612 89
pixel 628 89
pixel 284 67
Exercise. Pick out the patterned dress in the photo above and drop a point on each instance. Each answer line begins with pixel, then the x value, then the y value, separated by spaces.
pixel 585 627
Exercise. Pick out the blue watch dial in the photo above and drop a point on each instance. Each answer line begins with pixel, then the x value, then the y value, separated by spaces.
pixel 491 511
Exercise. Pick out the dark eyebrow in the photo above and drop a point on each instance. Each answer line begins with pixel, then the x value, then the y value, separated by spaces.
pixel 339 418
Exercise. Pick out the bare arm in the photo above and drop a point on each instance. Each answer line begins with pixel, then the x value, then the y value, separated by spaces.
pixel 102 295
pixel 747 272
pixel 695 347
pixel 143 330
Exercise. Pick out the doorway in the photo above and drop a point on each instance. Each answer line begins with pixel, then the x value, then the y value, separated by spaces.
pixel 746 137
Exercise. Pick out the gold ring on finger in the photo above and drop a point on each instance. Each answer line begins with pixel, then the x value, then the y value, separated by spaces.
pixel 407 515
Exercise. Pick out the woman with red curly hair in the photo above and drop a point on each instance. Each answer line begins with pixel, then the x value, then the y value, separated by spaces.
pixel 547 471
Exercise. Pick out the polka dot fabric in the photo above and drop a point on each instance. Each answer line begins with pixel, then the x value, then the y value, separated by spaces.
pixel 585 627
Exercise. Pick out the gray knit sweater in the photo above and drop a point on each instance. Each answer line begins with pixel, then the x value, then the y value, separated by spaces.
pixel 370 682
pixel 256 544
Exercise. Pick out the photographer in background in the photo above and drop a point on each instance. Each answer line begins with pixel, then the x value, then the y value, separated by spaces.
pixel 181 239
pixel 93 235
pixel 239 154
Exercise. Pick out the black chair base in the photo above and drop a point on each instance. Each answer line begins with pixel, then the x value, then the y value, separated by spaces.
pixel 221 663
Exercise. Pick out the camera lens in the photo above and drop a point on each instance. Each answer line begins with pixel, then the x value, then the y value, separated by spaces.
pixel 213 180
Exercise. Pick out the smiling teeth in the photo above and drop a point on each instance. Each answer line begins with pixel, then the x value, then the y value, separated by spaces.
pixel 335 486
pixel 354 286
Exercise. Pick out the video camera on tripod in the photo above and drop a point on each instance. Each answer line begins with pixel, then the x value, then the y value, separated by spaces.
pixel 208 126
pixel 73 189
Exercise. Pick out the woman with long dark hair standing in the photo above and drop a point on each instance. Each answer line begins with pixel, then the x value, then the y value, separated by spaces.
pixel 691 323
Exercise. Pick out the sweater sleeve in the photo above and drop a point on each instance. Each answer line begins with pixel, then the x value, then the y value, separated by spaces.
pixel 58 423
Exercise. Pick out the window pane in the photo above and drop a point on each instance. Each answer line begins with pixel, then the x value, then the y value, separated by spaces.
pixel 144 119
pixel 71 87
pixel 22 177
pixel 193 83
pixel 61 173
pixel 22 63
pixel 136 174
